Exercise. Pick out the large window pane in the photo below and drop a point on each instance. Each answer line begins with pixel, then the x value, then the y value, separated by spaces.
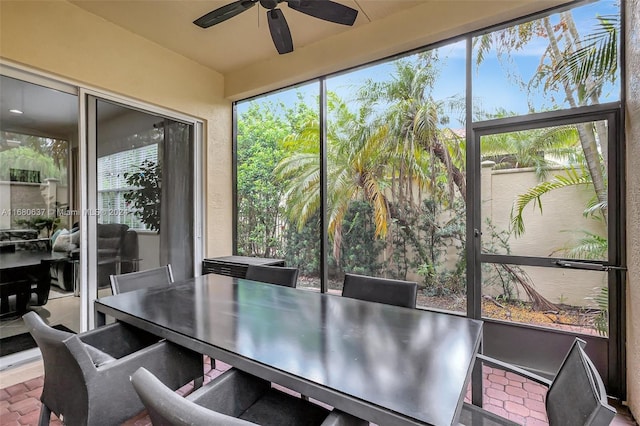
pixel 396 184
pixel 561 61
pixel 544 192
pixel 278 180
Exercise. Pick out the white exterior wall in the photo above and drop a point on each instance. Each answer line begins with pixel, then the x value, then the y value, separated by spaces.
pixel 559 226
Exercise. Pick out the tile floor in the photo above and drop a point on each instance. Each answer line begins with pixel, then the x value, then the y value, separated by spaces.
pixel 63 308
pixel 505 394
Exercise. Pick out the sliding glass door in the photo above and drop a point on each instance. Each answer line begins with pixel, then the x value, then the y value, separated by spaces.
pixel 38 165
pixel 140 193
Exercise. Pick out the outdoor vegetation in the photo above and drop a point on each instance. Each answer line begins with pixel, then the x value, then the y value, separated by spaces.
pixel 25 152
pixel 396 166
pixel 32 161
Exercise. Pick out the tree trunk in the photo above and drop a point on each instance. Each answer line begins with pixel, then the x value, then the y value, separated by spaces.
pixel 585 131
pixel 441 153
pixel 590 85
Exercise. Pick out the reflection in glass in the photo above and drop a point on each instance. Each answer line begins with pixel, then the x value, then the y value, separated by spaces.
pixel 38 165
pixel 35 194
pixel 144 192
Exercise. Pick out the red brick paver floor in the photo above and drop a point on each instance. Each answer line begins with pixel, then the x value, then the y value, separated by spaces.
pixel 505 394
pixel 522 401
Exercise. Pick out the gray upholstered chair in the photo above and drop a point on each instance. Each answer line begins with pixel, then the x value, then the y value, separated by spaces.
pixel 86 375
pixel 161 276
pixel 287 277
pixel 381 290
pixel 233 399
pixel 576 395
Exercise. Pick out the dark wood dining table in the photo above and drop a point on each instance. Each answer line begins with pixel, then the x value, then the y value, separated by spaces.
pixel 386 364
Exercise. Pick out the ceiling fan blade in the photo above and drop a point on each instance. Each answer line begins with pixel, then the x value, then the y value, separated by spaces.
pixel 280 32
pixel 325 9
pixel 223 13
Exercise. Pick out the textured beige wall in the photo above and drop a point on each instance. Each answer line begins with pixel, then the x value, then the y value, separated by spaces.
pixel 633 204
pixel 62 39
pixel 559 227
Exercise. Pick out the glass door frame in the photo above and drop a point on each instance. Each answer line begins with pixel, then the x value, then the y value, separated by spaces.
pixel 88 190
pixel 614 266
pixel 20 72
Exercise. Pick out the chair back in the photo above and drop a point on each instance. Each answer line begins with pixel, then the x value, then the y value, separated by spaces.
pixel 278 275
pixel 65 367
pixel 577 395
pixel 124 283
pixel 381 290
pixel 167 408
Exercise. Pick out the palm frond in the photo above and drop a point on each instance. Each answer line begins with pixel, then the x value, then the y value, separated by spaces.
pixel 591 246
pixel 597 58
pixel 572 178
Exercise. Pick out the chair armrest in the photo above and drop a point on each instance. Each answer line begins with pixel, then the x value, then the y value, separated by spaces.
pixel 110 381
pixel 492 362
pixel 118 339
pixel 167 407
pixel 174 365
pixel 338 418
pixel 231 393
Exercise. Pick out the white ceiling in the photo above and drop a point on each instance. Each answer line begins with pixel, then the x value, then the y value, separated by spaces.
pixel 232 44
pixel 51 113
pixel 46 112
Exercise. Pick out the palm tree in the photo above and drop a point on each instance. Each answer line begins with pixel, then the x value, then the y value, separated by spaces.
pixel 422 146
pixel 541 149
pixel 356 171
pixel 387 154
pixel 578 67
pixel 591 63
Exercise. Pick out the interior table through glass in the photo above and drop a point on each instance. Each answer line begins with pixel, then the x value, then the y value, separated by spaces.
pixel 386 364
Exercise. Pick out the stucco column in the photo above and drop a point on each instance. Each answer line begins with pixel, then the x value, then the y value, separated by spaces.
pixel 50 195
pixel 632 128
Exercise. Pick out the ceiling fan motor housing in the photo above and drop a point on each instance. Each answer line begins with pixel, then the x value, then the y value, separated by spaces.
pixel 269 4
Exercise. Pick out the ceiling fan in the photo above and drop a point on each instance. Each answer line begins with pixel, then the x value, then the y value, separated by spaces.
pixel 280 33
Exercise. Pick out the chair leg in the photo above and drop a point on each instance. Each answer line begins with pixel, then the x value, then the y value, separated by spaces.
pixel 45 415
pixel 198 382
pixel 211 361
